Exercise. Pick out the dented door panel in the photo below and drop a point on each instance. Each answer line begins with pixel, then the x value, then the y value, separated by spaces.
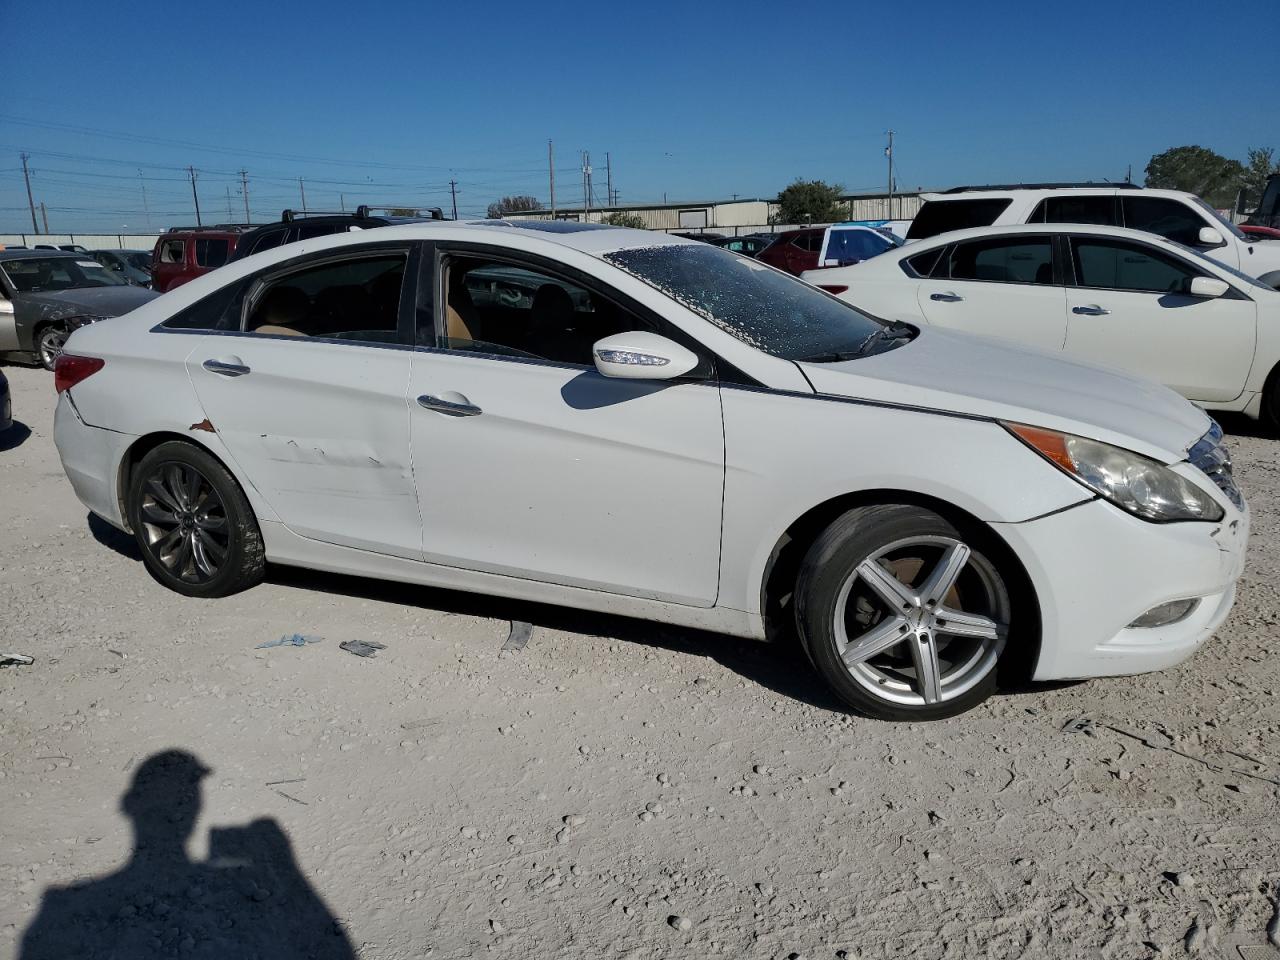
pixel 322 429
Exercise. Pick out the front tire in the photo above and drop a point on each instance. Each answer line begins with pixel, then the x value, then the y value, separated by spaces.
pixel 193 523
pixel 905 615
pixel 49 343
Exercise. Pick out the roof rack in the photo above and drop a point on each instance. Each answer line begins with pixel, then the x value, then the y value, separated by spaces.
pixel 360 213
pixel 1117 184
pixel 215 227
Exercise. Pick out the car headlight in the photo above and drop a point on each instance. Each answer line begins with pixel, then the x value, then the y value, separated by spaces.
pixel 75 323
pixel 1135 483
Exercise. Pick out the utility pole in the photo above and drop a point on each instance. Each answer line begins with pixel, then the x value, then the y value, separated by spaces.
pixel 192 172
pixel 551 171
pixel 244 187
pixel 26 175
pixel 342 202
pixel 44 215
pixel 586 186
pixel 303 191
pixel 230 213
pixel 453 192
pixel 888 152
pixel 608 175
pixel 146 212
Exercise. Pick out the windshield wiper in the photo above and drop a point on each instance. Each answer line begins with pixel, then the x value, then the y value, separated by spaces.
pixel 894 330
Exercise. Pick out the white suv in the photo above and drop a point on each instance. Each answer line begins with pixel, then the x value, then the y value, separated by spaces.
pixel 1181 217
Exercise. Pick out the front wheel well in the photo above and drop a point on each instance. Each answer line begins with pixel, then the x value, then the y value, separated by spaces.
pixel 133 456
pixel 778 585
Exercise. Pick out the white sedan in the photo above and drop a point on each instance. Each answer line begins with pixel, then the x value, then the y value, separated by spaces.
pixel 1108 295
pixel 626 422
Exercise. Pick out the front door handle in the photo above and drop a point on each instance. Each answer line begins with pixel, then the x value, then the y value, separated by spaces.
pixel 454 408
pixel 946 297
pixel 1091 310
pixel 229 367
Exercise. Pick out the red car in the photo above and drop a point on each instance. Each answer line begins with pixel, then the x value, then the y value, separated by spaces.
pixel 838 245
pixel 794 251
pixel 1259 233
pixel 184 253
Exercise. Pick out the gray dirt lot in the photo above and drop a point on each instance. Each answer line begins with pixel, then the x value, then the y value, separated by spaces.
pixel 428 786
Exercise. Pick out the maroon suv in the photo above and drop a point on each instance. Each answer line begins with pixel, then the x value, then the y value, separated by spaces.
pixel 184 253
pixel 794 251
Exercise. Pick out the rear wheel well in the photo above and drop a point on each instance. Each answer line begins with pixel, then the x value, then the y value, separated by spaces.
pixel 788 553
pixel 133 456
pixel 1271 398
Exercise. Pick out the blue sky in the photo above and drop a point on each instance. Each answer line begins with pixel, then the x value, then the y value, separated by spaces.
pixel 387 102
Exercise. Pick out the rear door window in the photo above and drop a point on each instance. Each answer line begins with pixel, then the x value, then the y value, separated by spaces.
pixel 1121 265
pixel 943 216
pixel 1077 209
pixel 1004 260
pixel 212 253
pixel 1170 219
pixel 353 298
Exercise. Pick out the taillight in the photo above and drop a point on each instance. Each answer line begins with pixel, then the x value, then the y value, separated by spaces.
pixel 68 370
pixel 832 287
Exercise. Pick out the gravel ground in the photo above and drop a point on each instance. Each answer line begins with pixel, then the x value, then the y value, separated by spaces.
pixel 616 789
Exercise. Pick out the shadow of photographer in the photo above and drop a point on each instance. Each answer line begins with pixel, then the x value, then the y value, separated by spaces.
pixel 248 900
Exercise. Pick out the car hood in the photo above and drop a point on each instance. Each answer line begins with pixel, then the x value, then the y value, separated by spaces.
pixel 98 301
pixel 977 376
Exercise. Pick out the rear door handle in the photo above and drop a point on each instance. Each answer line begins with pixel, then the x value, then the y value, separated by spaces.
pixel 1091 310
pixel 230 367
pixel 455 408
pixel 946 297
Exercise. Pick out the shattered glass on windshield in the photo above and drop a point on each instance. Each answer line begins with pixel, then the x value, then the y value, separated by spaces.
pixel 762 307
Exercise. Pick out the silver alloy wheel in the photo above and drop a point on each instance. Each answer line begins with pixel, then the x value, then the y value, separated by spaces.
pixel 185 522
pixel 921 621
pixel 52 340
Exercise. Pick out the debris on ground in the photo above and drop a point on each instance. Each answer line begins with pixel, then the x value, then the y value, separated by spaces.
pixel 15 660
pixel 518 638
pixel 290 640
pixel 362 648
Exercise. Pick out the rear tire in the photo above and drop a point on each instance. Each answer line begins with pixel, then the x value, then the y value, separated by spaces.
pixel 193 523
pixel 1271 401
pixel 905 615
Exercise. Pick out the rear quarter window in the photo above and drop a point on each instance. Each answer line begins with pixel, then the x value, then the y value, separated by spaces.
pixel 943 216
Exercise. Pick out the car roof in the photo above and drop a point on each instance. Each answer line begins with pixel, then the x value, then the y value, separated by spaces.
pixel 1046 191
pixel 591 238
pixel 1030 229
pixel 39 254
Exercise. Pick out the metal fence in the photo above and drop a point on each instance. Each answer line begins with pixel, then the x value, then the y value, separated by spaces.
pixel 92 241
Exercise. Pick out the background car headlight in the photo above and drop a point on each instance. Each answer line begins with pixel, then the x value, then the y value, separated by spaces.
pixel 1135 483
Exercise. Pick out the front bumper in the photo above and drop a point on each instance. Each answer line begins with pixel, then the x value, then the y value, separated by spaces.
pixel 1095 569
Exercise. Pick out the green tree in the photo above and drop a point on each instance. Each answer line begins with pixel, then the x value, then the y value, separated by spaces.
pixel 520 204
pixel 810 201
pixel 1197 170
pixel 1261 164
pixel 625 218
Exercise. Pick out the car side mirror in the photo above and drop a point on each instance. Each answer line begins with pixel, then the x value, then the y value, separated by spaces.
pixel 641 355
pixel 1209 237
pixel 1209 287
